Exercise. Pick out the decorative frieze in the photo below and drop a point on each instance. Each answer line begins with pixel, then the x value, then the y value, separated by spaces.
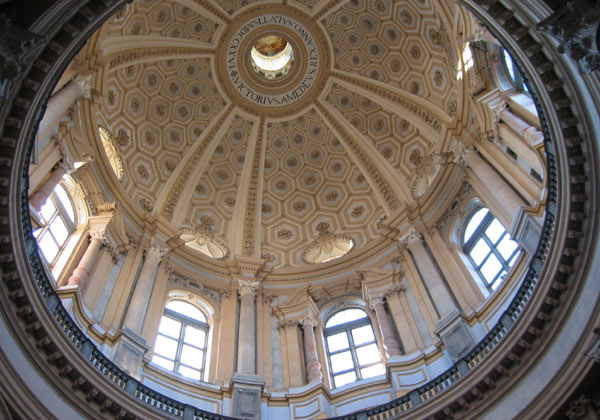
pixel 253 194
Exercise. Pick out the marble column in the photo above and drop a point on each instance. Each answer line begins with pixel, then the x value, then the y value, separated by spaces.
pixel 313 366
pixel 39 197
pixel 529 133
pixel 391 345
pixel 62 100
pixel 141 296
pixel 246 363
pixel 81 272
pixel 400 313
pixel 504 202
pixel 430 275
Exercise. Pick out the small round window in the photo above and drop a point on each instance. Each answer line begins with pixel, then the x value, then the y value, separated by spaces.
pixel 272 56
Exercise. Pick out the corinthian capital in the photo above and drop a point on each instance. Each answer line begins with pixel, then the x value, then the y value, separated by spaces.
pixel 248 287
pixel 375 300
pixel 85 84
pixel 309 320
pixel 156 249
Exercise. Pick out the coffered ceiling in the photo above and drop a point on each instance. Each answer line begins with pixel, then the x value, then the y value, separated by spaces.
pixel 273 166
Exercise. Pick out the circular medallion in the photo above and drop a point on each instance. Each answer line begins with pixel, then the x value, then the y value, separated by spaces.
pixel 272 61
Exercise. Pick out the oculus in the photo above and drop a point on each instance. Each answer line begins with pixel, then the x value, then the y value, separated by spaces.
pixel 272 56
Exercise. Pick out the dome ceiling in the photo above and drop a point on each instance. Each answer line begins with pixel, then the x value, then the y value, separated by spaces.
pixel 267 166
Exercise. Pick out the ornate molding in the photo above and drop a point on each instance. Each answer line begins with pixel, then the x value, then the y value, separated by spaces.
pixel 576 27
pixel 253 195
pixel 374 173
pixel 248 287
pixel 411 107
pixel 17 46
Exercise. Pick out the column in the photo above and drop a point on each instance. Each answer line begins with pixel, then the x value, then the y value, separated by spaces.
pixel 39 197
pixel 504 202
pixel 246 363
pixel 391 345
pixel 465 290
pixel 291 352
pixel 62 100
pixel 225 357
pixel 527 132
pixel 313 366
pixel 403 318
pixel 141 296
pixel 441 297
pixel 82 271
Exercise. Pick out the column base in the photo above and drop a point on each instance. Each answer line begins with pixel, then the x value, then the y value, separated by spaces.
pixel 247 395
pixel 455 334
pixel 130 353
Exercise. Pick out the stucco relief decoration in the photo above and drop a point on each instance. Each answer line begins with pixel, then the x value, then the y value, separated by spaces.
pixel 202 239
pixel 327 247
pixel 426 171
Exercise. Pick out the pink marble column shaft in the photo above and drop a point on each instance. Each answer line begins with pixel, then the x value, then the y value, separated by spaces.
pixel 313 366
pixel 82 271
pixel 390 343
pixel 528 132
pixel 39 197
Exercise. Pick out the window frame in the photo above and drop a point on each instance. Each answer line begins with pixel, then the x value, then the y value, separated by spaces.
pixel 62 213
pixel 480 233
pixel 348 327
pixel 185 321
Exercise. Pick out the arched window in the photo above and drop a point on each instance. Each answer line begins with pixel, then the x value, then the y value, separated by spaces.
pixel 55 222
pixel 512 72
pixel 182 341
pixel 489 247
pixel 351 347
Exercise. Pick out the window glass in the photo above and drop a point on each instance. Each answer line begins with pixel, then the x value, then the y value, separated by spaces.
pixel 346 378
pixel 474 222
pixel 512 72
pixel 367 354
pixel 165 346
pixel 48 247
pixel 351 347
pixel 338 341
pixel 186 309
pixel 189 373
pixel 194 336
pixel 341 362
pixel 59 231
pixel 345 316
pixel 489 247
pixel 64 199
pixel 182 340
pixel 168 326
pixel 363 335
pixel 57 222
pixel 47 210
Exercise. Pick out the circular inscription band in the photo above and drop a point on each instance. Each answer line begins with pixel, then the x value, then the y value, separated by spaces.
pixel 272 96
